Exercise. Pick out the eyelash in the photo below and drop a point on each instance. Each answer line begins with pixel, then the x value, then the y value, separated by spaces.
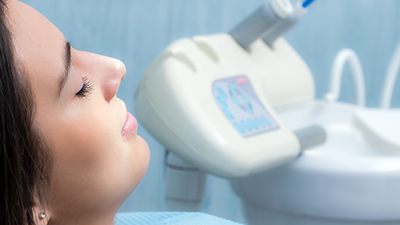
pixel 86 89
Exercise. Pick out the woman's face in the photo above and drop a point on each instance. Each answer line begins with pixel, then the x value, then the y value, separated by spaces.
pixel 97 157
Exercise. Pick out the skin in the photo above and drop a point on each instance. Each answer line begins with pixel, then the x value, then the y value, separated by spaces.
pixel 96 166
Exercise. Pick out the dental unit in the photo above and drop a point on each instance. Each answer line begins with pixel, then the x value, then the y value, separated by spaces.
pixel 241 105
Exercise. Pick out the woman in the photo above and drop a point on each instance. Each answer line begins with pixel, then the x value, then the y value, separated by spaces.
pixel 69 146
pixel 70 153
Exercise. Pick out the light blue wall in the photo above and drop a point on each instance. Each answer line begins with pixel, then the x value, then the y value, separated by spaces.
pixel 136 31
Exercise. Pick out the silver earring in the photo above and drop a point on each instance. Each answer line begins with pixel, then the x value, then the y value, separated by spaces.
pixel 42 215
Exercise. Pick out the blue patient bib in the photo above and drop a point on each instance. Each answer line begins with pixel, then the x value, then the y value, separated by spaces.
pixel 169 218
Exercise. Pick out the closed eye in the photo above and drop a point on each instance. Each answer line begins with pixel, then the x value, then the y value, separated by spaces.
pixel 87 88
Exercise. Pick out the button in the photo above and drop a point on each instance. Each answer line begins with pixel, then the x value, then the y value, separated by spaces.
pixel 221 93
pixel 228 114
pixel 249 125
pixel 222 102
pixel 243 126
pixel 256 124
pixel 261 122
pixel 239 128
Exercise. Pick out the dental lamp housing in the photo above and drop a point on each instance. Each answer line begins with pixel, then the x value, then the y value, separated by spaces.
pixel 177 102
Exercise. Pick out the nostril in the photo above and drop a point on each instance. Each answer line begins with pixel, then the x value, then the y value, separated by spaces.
pixel 111 89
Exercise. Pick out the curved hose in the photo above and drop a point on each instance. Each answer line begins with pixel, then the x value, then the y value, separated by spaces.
pixel 346 56
pixel 390 80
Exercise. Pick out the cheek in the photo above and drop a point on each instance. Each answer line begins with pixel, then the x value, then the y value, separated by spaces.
pixel 84 142
pixel 87 142
pixel 93 159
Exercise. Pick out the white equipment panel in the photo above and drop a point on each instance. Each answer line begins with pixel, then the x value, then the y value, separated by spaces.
pixel 203 99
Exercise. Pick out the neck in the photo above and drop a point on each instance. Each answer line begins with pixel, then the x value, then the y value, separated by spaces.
pixel 88 218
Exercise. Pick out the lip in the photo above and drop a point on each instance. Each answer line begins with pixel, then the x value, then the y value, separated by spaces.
pixel 131 125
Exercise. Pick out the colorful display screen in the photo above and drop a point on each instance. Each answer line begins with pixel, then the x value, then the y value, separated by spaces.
pixel 239 103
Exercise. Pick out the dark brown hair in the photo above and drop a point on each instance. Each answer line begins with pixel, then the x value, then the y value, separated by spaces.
pixel 23 160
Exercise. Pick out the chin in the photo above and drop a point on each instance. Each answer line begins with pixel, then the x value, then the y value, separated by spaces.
pixel 140 161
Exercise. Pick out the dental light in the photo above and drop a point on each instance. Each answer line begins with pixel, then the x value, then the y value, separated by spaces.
pixel 211 100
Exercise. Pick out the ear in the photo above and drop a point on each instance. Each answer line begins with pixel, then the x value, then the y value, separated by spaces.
pixel 41 216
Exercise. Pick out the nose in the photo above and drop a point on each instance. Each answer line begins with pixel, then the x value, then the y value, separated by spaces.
pixel 114 73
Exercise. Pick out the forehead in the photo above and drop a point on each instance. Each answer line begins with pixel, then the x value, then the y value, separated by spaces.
pixel 33 34
pixel 38 45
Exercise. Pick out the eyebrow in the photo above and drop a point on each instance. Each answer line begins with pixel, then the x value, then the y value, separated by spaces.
pixel 67 66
